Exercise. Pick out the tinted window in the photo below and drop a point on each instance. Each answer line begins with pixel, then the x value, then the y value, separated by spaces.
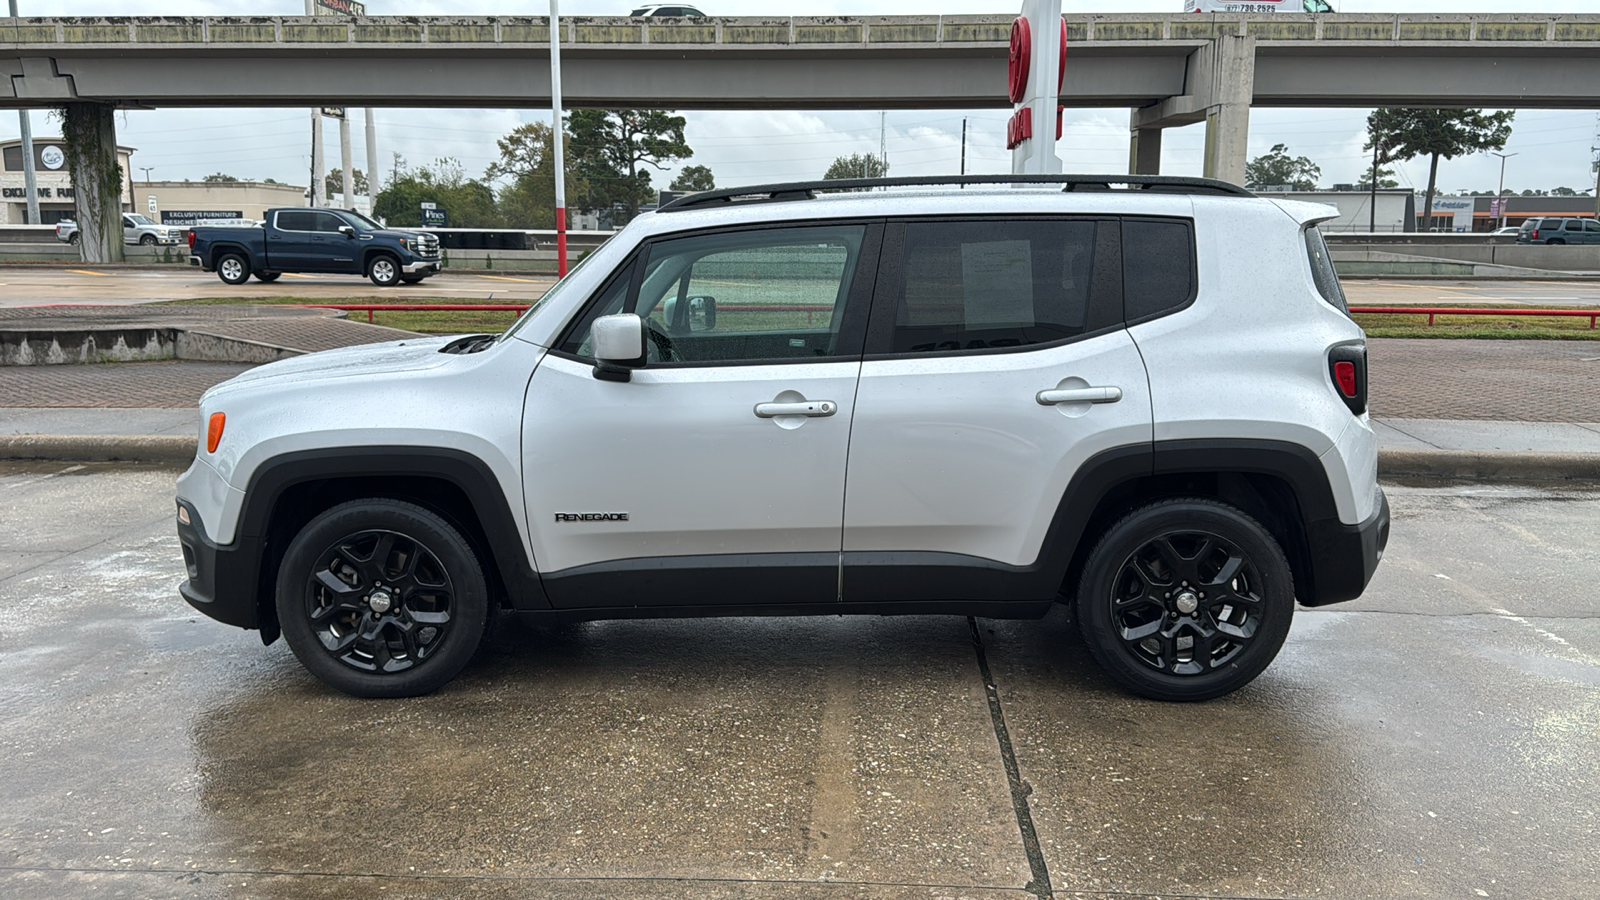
pixel 774 294
pixel 326 222
pixel 295 221
pixel 1157 267
pixel 989 285
pixel 1322 271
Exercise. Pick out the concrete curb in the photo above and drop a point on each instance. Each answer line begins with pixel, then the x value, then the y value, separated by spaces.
pixel 1451 465
pixel 153 448
pixel 1489 465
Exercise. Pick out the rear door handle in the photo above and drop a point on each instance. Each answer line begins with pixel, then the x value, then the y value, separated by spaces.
pixel 1079 395
pixel 814 408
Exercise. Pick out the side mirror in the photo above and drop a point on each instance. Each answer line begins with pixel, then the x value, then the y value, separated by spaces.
pixel 618 344
pixel 692 316
pixel 347 230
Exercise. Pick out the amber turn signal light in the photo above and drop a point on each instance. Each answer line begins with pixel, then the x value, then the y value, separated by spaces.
pixel 214 431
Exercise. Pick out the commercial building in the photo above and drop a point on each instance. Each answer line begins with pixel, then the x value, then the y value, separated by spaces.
pixel 193 202
pixel 54 180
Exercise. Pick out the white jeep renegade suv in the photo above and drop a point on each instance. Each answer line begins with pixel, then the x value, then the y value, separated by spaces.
pixel 979 396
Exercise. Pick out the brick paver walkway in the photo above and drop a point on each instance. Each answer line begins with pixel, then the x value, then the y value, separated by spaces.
pixel 117 385
pixel 1513 381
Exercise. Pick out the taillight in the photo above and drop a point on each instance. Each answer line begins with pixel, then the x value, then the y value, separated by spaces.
pixel 191 239
pixel 1536 234
pixel 1347 367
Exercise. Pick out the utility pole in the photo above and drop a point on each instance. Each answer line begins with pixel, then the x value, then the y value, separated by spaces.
pixel 347 175
pixel 963 146
pixel 316 191
pixel 30 178
pixel 372 163
pixel 557 140
pixel 883 140
pixel 1500 195
pixel 1372 212
pixel 1596 151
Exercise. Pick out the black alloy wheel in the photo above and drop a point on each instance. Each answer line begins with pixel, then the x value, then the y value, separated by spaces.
pixel 1186 600
pixel 382 598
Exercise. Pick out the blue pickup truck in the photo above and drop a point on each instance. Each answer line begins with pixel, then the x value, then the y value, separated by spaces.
pixel 315 240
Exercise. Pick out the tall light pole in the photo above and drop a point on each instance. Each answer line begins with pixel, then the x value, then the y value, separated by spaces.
pixel 557 133
pixel 1500 194
pixel 30 178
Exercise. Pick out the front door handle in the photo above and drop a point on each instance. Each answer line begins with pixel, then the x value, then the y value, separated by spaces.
pixel 1079 395
pixel 814 408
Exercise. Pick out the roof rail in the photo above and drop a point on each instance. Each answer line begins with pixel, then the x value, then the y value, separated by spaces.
pixel 808 190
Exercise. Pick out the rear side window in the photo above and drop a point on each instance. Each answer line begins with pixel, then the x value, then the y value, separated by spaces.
pixel 987 285
pixel 1158 267
pixel 295 221
pixel 1322 271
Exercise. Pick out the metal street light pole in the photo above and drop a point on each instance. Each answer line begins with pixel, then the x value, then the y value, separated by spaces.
pixel 146 171
pixel 1500 195
pixel 557 133
pixel 30 178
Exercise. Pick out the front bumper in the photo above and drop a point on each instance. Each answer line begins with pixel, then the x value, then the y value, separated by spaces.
pixel 1344 557
pixel 425 266
pixel 223 581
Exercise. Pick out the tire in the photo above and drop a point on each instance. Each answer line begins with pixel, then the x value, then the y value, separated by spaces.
pixel 369 642
pixel 267 277
pixel 1136 612
pixel 412 279
pixel 74 238
pixel 1554 241
pixel 147 240
pixel 384 270
pixel 233 268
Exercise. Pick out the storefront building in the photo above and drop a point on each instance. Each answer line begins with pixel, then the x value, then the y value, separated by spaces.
pixel 56 199
pixel 202 202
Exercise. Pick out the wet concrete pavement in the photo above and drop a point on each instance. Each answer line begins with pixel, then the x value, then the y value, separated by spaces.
pixel 1438 738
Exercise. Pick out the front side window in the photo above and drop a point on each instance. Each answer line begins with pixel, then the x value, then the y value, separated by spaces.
pixel 755 296
pixel 1322 271
pixel 988 285
pixel 1591 226
pixel 137 219
pixel 326 222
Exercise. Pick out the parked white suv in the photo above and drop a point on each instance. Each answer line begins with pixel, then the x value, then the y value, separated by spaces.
pixel 801 400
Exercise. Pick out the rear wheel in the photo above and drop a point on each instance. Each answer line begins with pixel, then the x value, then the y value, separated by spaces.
pixel 1185 600
pixel 267 277
pixel 1555 241
pixel 382 598
pixel 233 269
pixel 384 271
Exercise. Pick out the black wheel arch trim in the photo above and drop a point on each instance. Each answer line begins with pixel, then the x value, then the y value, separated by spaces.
pixel 241 593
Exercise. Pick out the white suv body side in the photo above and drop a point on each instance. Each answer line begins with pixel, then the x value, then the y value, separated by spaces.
pixel 940 480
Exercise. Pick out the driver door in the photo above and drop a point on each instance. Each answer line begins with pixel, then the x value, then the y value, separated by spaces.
pixel 684 486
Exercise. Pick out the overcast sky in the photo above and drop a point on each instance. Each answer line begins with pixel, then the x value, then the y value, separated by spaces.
pixel 1553 147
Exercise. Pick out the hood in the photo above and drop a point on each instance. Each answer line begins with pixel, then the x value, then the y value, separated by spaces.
pixel 391 357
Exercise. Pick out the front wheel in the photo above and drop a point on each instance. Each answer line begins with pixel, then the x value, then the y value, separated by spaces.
pixel 147 240
pixel 384 271
pixel 1185 600
pixel 382 598
pixel 412 279
pixel 233 269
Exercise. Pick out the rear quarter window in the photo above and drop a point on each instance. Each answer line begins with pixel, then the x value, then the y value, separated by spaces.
pixel 1158 267
pixel 1322 271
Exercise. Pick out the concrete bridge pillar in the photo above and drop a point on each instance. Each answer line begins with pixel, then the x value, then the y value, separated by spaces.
pixel 1221 82
pixel 89 131
pixel 1233 73
pixel 1144 150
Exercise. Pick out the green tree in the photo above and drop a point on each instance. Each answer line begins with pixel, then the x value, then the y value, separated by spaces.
pixel 527 161
pixel 609 146
pixel 1279 168
pixel 1386 179
pixel 470 203
pixel 693 178
pixel 334 182
pixel 1563 192
pixel 219 178
pixel 1436 133
pixel 859 165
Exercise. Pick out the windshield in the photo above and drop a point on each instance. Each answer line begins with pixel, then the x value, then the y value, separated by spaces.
pixel 361 223
pixel 555 289
pixel 139 220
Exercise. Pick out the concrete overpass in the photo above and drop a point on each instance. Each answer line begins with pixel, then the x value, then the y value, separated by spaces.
pixel 1169 69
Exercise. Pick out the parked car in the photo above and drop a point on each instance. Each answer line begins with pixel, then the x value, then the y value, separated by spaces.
pixel 315 240
pixel 658 11
pixel 1559 231
pixel 1508 230
pixel 1099 398
pixel 136 229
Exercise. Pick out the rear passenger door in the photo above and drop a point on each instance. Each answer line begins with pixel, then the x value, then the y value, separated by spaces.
pixel 293 241
pixel 997 364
